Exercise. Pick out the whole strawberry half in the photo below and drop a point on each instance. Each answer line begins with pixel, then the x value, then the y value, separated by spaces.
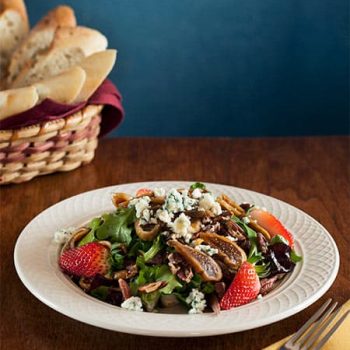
pixel 244 288
pixel 88 260
pixel 271 224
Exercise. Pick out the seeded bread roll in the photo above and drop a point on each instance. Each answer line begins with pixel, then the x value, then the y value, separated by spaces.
pixel 97 67
pixel 68 48
pixel 14 27
pixel 17 100
pixel 64 87
pixel 39 39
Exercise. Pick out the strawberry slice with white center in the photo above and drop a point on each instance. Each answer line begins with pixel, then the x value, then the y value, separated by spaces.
pixel 271 224
pixel 88 260
pixel 244 288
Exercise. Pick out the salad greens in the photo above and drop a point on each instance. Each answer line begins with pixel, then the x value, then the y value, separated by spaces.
pixel 153 242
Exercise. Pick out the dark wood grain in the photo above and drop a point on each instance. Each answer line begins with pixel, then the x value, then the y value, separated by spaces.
pixel 309 173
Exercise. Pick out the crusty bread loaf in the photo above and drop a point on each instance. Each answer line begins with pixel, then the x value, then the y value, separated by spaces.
pixel 68 48
pixel 13 28
pixel 97 67
pixel 39 39
pixel 17 100
pixel 64 87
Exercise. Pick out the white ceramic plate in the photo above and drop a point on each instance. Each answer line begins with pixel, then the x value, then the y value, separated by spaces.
pixel 36 264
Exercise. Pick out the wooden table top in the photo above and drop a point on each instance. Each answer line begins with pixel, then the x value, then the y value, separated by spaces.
pixel 310 173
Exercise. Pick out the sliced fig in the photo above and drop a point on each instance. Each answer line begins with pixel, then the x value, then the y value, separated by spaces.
pixel 202 263
pixel 76 236
pixel 146 235
pixel 120 199
pixel 229 251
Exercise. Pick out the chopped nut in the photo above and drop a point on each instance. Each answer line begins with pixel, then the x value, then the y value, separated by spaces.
pixel 151 287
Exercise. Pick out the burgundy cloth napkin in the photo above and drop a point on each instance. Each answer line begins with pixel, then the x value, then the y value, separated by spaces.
pixel 107 94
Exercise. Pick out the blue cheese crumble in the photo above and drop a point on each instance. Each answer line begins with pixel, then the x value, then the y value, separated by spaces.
pixel 188 202
pixel 159 192
pixel 207 202
pixel 181 227
pixel 62 236
pixel 142 207
pixel 207 249
pixel 196 301
pixel 173 201
pixel 132 304
pixel 197 193
pixel 164 215
pixel 246 220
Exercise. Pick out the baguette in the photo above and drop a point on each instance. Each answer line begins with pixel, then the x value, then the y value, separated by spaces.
pixel 17 100
pixel 68 48
pixel 97 67
pixel 14 27
pixel 62 88
pixel 39 39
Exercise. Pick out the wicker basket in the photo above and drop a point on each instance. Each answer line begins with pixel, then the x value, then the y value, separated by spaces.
pixel 60 145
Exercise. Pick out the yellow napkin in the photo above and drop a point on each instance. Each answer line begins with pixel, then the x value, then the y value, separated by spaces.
pixel 340 340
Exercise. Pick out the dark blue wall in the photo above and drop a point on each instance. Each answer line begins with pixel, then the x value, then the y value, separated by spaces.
pixel 225 67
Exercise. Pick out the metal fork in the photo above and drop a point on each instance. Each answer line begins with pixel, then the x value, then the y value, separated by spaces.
pixel 307 336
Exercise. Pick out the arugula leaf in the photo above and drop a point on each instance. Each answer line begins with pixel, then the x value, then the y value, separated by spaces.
pixel 163 273
pixel 117 260
pixel 208 288
pixel 138 245
pixel 278 239
pixel 199 185
pixel 100 292
pixel 148 274
pixel 254 256
pixel 150 300
pixel 90 237
pixel 156 247
pixel 262 270
pixel 182 298
pixel 249 231
pixel 117 227
pixel 196 281
pixel 295 257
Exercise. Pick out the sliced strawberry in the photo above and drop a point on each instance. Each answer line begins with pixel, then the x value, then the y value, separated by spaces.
pixel 244 288
pixel 88 260
pixel 144 192
pixel 271 224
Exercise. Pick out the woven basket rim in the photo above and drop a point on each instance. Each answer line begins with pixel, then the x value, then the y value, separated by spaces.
pixel 55 121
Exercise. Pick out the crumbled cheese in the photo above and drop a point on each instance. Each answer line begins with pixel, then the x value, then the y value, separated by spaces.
pixel 62 236
pixel 153 220
pixel 159 192
pixel 207 202
pixel 207 249
pixel 231 238
pixel 188 202
pixel 164 215
pixel 246 220
pixel 196 301
pixel 196 193
pixel 181 226
pixel 146 215
pixel 140 205
pixel 173 201
pixel 132 304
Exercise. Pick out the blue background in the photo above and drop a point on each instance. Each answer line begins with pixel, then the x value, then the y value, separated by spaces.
pixel 225 67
